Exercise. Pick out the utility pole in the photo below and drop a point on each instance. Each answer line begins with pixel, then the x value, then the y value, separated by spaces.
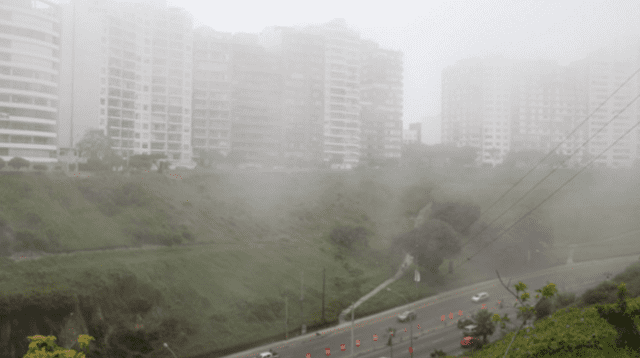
pixel 353 308
pixel 323 286
pixel 73 70
pixel 302 328
pixel 286 318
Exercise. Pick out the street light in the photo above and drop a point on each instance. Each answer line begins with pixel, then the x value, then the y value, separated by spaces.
pixel 167 347
pixel 411 325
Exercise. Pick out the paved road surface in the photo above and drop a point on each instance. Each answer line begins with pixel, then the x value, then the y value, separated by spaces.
pixel 434 334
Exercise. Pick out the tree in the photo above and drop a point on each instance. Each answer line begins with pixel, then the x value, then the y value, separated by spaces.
pixel 350 237
pixel 156 159
pixel 534 233
pixel 95 144
pixel 40 167
pixel 430 244
pixel 458 214
pixel 623 319
pixel 525 312
pixel 209 157
pixel 483 322
pixel 140 161
pixel 18 162
pixel 438 353
pixel 45 347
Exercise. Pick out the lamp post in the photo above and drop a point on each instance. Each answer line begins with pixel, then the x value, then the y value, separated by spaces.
pixel 167 347
pixel 411 325
pixel 353 308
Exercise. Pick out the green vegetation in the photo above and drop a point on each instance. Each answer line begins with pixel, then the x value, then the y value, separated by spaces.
pixel 45 347
pixel 603 322
pixel 252 235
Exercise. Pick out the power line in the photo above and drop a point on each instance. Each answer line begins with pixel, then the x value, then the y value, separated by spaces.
pixel 550 173
pixel 548 155
pixel 563 185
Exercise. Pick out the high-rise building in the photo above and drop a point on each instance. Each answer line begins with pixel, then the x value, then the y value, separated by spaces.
pixel 30 34
pixel 476 106
pixel 603 72
pixel 211 122
pixel 302 65
pixel 128 66
pixel 257 126
pixel 548 102
pixel 381 95
pixel 342 121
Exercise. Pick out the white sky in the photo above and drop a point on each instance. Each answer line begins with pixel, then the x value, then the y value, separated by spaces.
pixel 435 34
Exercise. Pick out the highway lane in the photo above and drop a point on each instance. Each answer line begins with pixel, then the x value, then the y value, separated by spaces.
pixel 433 333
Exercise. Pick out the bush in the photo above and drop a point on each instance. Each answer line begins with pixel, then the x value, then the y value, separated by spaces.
pixel 40 167
pixel 45 347
pixel 604 293
pixel 27 240
pixel 565 299
pixel 349 237
pixel 18 162
pixel 544 308
pixel 2 163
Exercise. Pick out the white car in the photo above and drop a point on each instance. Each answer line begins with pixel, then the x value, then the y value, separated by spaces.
pixel 407 316
pixel 468 330
pixel 482 296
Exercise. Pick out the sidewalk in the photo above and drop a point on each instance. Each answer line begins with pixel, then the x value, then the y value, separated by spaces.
pixel 408 260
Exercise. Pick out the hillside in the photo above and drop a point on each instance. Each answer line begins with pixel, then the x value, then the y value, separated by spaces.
pixel 250 237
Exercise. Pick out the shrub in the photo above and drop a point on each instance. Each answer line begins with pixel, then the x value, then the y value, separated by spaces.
pixel 349 236
pixel 544 308
pixel 18 162
pixel 28 240
pixel 2 163
pixel 45 347
pixel 565 299
pixel 603 293
pixel 40 167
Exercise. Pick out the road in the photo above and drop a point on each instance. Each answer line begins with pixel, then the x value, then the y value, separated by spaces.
pixel 432 332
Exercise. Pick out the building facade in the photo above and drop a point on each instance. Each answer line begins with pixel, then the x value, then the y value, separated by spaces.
pixel 30 34
pixel 211 122
pixel 342 119
pixel 301 56
pixel 548 102
pixel 601 73
pixel 476 107
pixel 381 94
pixel 129 69
pixel 257 127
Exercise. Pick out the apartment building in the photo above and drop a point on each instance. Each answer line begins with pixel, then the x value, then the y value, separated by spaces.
pixel 211 123
pixel 602 72
pixel 128 65
pixel 301 56
pixel 30 34
pixel 342 119
pixel 257 127
pixel 548 102
pixel 381 94
pixel 476 96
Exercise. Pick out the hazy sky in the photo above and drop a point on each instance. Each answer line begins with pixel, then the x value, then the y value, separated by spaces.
pixel 435 34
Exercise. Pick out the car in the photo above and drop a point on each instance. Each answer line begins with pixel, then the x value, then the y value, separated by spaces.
pixel 407 316
pixel 482 296
pixel 468 330
pixel 270 354
pixel 470 342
